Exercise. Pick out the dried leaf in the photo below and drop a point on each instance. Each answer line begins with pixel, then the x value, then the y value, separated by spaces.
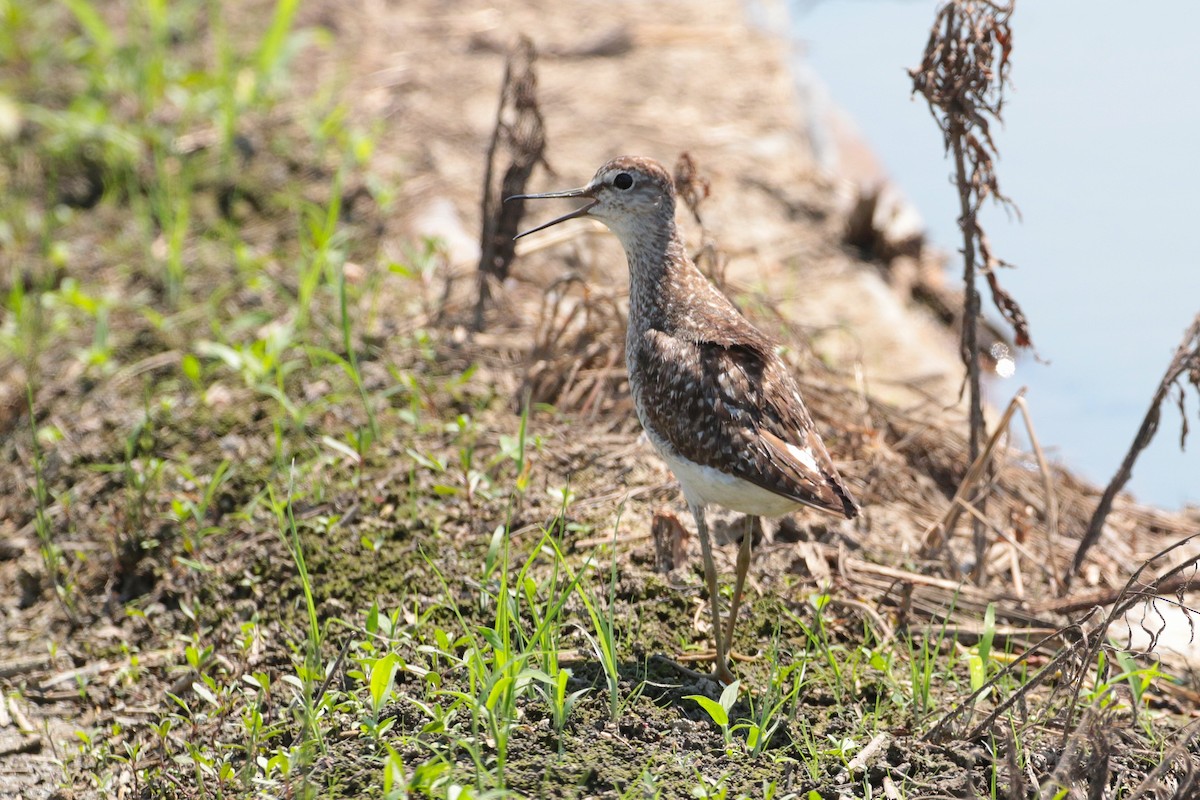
pixel 1010 310
pixel 693 187
pixel 1183 431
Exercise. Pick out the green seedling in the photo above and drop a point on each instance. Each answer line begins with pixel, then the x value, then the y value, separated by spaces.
pixel 979 656
pixel 718 710
pixel 784 687
pixel 381 679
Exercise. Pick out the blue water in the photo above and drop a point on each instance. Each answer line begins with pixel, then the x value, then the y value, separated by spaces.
pixel 1101 151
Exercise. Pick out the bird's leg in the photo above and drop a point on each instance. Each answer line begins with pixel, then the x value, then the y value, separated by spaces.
pixel 743 565
pixel 721 671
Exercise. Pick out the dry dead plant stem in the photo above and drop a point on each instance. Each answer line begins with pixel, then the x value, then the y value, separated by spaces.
pixel 1047 485
pixel 1178 756
pixel 962 77
pixel 1103 597
pixel 519 128
pixel 941 731
pixel 937 533
pixel 1134 592
pixel 970 346
pixel 1184 365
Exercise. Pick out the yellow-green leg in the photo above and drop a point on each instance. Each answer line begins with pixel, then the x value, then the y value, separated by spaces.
pixel 721 671
pixel 743 566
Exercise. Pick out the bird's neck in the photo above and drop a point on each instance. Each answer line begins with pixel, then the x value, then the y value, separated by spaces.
pixel 659 269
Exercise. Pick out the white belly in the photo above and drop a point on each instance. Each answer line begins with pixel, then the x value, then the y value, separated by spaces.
pixel 704 485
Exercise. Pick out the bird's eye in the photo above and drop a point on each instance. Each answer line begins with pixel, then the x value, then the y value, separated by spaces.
pixel 623 181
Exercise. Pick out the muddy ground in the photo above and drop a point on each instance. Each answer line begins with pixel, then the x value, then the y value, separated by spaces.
pixel 233 482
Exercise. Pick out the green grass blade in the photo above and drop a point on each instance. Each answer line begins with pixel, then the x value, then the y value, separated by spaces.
pixel 93 25
pixel 271 49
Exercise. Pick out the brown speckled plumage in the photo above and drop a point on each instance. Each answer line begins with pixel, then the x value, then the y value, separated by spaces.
pixel 714 397
pixel 705 381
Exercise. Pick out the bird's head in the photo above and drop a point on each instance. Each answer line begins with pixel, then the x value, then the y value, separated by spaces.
pixel 632 195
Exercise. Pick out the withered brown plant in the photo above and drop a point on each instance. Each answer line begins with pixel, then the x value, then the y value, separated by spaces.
pixel 520 131
pixel 694 188
pixel 963 76
pixel 1184 366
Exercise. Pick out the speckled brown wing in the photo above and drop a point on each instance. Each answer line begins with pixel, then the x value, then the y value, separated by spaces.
pixel 735 407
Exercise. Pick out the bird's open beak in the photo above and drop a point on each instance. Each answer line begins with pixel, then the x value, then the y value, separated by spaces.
pixel 579 212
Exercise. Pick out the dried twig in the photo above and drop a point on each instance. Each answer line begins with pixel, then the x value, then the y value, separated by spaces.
pixel 942 730
pixel 1184 366
pixel 1085 758
pixel 1047 483
pixel 936 534
pixel 520 129
pixel 1103 597
pixel 23 665
pixel 860 761
pixel 1176 763
pixel 1050 510
pixel 1070 666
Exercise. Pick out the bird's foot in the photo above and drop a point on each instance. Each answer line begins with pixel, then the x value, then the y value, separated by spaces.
pixel 703 680
pixel 720 673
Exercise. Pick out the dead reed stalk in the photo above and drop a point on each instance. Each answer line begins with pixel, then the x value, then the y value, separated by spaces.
pixel 962 76
pixel 1185 365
